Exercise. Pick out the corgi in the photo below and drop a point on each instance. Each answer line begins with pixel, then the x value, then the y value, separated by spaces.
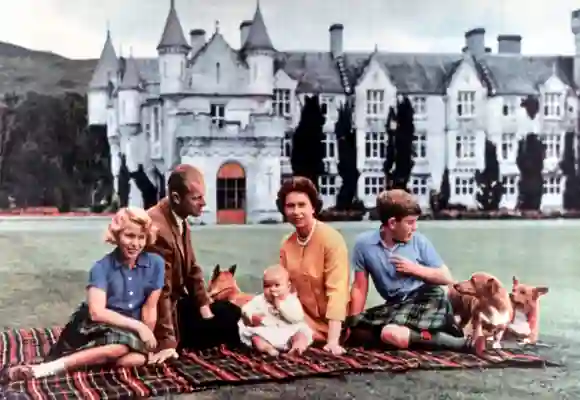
pixel 482 307
pixel 526 303
pixel 223 286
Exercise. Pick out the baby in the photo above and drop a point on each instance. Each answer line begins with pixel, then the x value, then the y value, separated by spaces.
pixel 274 321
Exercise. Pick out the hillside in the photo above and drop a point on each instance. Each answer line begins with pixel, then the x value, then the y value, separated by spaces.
pixel 23 70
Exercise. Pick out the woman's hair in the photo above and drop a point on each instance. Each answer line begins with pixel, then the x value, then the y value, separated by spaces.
pixel 126 215
pixel 302 185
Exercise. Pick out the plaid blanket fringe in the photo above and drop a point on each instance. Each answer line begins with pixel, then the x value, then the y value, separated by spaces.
pixel 201 371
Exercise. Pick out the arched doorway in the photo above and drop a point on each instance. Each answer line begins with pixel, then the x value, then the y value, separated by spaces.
pixel 231 194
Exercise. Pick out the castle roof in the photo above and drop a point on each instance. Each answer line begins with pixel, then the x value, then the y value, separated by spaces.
pixel 173 32
pixel 106 65
pixel 131 78
pixel 258 38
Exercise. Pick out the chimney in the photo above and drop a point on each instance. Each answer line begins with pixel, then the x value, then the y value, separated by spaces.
pixel 509 44
pixel 196 40
pixel 244 30
pixel 336 39
pixel 475 41
pixel 575 22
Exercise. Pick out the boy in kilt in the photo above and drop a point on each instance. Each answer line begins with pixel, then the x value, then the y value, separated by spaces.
pixel 410 276
pixel 115 324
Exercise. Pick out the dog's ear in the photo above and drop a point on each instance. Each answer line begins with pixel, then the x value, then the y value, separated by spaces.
pixel 515 281
pixel 233 269
pixel 539 291
pixel 216 272
pixel 492 286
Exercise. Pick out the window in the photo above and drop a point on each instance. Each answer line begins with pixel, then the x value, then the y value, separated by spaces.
pixel 510 184
pixel 420 145
pixel 465 146
pixel 281 103
pixel 218 115
pixel 156 124
pixel 375 145
pixel 419 105
pixel 419 185
pixel 552 185
pixel 553 143
pixel 373 185
pixel 231 193
pixel 508 143
pixel 510 106
pixel 330 102
pixel 464 186
pixel 552 106
pixel 286 147
pixel 329 142
pixel 376 103
pixel 329 185
pixel 466 104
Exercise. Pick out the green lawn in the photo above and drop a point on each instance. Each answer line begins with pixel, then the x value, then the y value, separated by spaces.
pixel 44 268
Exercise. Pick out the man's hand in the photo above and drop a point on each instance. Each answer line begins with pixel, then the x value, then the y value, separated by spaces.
pixel 205 312
pixel 162 356
pixel 405 266
pixel 256 320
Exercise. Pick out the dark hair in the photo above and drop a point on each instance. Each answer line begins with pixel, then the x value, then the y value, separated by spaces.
pixel 302 185
pixel 397 204
pixel 177 182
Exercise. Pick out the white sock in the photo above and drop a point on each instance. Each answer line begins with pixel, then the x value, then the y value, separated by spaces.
pixel 48 368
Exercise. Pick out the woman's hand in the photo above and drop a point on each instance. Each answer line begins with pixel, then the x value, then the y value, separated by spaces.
pixel 334 348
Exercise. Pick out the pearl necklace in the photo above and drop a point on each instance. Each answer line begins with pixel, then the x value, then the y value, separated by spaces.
pixel 304 242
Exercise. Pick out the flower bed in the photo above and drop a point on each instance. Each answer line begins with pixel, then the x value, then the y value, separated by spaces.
pixel 467 214
pixel 333 215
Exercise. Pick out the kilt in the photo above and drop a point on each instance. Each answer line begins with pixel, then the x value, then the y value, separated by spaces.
pixel 426 309
pixel 81 333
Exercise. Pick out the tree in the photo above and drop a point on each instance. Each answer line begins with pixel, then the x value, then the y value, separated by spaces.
pixel 49 156
pixel 439 201
pixel 124 182
pixel 308 150
pixel 569 168
pixel 530 162
pixel 146 187
pixel 347 158
pixel 401 128
pixel 489 187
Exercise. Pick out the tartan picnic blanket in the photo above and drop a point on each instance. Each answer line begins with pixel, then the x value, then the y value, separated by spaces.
pixel 220 366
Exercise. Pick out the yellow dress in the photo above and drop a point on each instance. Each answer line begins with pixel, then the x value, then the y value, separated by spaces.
pixel 319 272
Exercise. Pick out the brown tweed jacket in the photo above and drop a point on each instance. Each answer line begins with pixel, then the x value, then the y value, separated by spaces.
pixel 182 274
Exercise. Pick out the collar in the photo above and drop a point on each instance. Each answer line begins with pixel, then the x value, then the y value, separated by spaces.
pixel 177 218
pixel 141 260
pixel 379 241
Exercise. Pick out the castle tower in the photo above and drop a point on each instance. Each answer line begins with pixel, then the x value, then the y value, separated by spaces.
pixel 104 72
pixel 172 50
pixel 259 53
pixel 130 95
pixel 576 31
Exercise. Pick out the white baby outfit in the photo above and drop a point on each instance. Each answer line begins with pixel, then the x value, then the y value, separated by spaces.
pixel 278 326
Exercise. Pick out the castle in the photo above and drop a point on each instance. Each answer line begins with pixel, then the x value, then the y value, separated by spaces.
pixel 231 111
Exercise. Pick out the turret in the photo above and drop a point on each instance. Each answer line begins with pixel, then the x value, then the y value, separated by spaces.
pixel 104 73
pixel 172 49
pixel 130 95
pixel 576 31
pixel 259 53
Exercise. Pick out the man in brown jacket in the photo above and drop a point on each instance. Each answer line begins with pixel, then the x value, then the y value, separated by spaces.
pixel 187 318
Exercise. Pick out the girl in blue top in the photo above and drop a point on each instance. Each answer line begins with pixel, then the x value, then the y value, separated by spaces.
pixel 115 324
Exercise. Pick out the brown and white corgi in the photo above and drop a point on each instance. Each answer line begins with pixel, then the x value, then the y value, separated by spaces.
pixel 526 303
pixel 482 307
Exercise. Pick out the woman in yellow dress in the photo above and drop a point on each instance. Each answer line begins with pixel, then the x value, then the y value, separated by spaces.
pixel 316 257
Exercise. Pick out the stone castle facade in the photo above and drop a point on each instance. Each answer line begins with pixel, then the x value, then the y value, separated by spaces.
pixel 231 110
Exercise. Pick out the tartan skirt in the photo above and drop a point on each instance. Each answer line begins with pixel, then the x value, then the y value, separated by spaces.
pixel 80 333
pixel 426 309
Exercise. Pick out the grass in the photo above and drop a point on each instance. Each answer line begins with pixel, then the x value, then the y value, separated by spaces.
pixel 44 270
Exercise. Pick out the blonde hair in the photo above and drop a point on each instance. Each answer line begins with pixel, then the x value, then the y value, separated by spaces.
pixel 128 215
